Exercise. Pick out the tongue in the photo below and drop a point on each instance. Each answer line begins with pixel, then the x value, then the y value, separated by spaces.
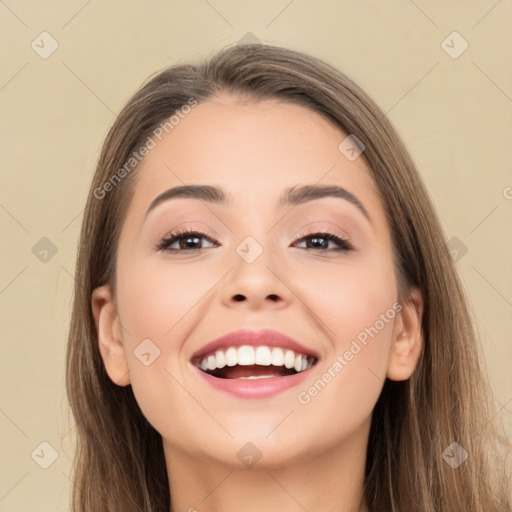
pixel 235 372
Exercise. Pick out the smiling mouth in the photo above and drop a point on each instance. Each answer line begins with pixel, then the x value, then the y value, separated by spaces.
pixel 248 362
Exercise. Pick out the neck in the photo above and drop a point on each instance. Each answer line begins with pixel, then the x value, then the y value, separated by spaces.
pixel 324 482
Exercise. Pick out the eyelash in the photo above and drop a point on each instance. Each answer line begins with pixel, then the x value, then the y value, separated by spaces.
pixel 344 245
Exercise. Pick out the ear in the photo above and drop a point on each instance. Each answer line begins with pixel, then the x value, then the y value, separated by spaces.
pixel 108 329
pixel 407 338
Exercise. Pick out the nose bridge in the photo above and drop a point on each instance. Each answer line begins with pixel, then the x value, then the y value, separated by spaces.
pixel 255 276
pixel 253 232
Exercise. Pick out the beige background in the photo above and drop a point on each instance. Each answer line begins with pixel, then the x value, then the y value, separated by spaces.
pixel 454 114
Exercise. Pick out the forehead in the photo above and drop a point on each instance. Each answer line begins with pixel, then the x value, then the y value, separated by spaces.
pixel 253 150
pixel 248 143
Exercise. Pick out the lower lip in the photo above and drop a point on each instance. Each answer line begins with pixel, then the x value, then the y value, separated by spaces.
pixel 255 388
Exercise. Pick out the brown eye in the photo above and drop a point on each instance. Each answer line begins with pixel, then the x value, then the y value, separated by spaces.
pixel 320 241
pixel 187 240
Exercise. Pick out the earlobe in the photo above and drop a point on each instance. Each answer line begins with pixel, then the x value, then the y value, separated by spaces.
pixel 109 335
pixel 407 340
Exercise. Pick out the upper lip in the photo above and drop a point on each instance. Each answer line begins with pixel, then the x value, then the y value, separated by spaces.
pixel 267 337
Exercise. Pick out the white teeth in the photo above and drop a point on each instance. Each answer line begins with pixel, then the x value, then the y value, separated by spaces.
pixel 289 359
pixel 221 359
pixel 247 355
pixel 212 362
pixel 263 356
pixel 257 377
pixel 277 356
pixel 231 356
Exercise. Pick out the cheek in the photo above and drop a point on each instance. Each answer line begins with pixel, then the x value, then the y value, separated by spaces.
pixel 162 302
pixel 356 309
pixel 154 298
pixel 349 297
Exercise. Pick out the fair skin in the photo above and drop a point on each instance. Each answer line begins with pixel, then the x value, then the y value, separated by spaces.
pixel 312 455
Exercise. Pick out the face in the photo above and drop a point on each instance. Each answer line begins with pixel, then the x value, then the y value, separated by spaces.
pixel 319 271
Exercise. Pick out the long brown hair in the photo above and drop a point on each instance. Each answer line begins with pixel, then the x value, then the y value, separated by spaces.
pixel 119 464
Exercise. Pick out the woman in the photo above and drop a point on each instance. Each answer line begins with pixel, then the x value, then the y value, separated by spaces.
pixel 266 315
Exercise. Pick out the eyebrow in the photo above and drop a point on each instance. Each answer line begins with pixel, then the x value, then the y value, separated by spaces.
pixel 291 197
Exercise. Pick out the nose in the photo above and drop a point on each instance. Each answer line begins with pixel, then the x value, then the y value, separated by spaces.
pixel 258 284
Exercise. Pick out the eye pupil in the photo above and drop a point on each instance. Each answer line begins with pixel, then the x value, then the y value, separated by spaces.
pixel 187 239
pixel 319 241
